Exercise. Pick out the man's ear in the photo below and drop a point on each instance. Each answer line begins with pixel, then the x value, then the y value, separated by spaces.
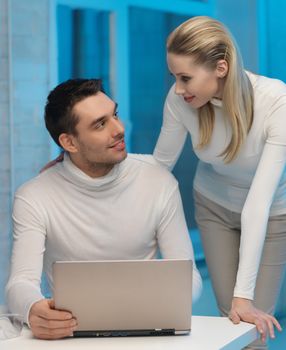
pixel 222 68
pixel 68 143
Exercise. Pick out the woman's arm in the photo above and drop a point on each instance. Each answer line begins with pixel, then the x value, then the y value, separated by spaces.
pixel 173 237
pixel 254 221
pixel 254 217
pixel 172 137
pixel 255 213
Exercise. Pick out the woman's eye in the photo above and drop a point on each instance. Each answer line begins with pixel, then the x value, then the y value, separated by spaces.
pixel 116 116
pixel 185 79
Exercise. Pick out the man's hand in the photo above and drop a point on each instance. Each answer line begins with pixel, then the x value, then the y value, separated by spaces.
pixel 243 310
pixel 48 323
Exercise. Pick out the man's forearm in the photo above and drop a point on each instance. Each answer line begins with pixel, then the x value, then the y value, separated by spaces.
pixel 20 296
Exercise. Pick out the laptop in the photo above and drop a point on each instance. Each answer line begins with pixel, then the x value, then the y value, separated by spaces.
pixel 126 297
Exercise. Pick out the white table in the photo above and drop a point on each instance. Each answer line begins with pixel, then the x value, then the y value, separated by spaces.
pixel 208 333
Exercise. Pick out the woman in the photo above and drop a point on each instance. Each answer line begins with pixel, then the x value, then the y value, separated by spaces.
pixel 237 123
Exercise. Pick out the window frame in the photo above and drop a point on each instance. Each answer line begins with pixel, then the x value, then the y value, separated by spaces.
pixel 120 30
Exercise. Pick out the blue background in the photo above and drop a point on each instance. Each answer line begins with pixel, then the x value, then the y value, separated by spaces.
pixel 43 42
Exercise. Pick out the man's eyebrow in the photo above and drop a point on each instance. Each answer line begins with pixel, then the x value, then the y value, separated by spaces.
pixel 114 110
pixel 115 107
pixel 102 118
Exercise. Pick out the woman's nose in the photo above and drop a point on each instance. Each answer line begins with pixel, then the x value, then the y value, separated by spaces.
pixel 179 89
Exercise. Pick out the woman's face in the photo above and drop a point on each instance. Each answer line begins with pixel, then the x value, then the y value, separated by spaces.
pixel 196 83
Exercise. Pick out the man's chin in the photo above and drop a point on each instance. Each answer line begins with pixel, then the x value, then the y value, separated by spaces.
pixel 121 157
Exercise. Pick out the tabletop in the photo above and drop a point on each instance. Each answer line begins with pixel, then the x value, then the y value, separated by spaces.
pixel 208 333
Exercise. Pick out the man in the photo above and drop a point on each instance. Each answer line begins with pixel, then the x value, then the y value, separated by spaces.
pixel 98 204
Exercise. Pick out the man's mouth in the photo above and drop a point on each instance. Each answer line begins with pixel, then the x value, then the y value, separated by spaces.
pixel 189 99
pixel 118 145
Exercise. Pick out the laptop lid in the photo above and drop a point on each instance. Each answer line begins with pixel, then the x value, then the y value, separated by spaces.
pixel 138 297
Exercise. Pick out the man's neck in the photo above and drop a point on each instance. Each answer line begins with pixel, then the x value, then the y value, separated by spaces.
pixel 93 170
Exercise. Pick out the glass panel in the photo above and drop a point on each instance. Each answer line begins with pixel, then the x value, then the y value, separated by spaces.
pixel 83 44
pixel 149 85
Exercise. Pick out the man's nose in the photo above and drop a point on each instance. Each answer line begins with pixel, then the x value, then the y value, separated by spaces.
pixel 117 127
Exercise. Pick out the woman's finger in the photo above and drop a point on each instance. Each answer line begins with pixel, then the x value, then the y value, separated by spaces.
pixel 234 317
pixel 270 326
pixel 276 323
pixel 261 327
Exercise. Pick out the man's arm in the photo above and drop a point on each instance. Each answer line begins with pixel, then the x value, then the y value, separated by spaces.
pixel 23 293
pixel 173 236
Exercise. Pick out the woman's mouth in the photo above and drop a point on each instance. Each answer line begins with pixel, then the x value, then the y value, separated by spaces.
pixel 189 99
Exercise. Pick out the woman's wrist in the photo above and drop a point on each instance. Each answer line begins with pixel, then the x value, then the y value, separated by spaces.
pixel 240 300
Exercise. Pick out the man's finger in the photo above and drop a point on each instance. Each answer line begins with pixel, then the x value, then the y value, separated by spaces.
pixel 54 324
pixel 51 303
pixel 44 333
pixel 51 314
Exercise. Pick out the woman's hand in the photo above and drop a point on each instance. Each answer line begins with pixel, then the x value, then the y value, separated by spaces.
pixel 243 310
pixel 53 162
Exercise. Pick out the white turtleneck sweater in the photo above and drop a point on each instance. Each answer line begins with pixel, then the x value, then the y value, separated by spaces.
pixel 63 214
pixel 254 183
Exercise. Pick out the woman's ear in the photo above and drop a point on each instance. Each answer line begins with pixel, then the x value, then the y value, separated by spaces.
pixel 68 142
pixel 222 68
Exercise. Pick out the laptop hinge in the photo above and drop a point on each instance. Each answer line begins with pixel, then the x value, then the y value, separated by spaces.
pixel 124 333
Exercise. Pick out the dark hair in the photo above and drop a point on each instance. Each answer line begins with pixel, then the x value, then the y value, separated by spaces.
pixel 59 115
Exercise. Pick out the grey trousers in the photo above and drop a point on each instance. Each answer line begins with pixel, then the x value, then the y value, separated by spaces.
pixel 220 234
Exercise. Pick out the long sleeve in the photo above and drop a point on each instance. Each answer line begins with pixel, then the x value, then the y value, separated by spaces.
pixel 23 288
pixel 172 137
pixel 255 212
pixel 173 237
pixel 254 217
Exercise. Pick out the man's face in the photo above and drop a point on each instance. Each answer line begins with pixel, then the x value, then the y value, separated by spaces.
pixel 99 143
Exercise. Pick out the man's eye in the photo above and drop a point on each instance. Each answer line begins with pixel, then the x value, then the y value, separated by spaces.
pixel 116 116
pixel 100 124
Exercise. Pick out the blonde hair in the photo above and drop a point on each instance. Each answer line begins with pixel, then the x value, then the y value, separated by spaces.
pixel 208 41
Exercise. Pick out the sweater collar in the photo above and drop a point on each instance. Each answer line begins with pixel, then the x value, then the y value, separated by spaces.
pixel 216 102
pixel 78 177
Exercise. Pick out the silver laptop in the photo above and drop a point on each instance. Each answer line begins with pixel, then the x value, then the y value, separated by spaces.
pixel 130 297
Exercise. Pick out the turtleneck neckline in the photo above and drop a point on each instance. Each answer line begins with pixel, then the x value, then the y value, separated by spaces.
pixel 216 102
pixel 80 178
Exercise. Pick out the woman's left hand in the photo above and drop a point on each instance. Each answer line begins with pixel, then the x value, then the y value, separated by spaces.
pixel 53 162
pixel 244 310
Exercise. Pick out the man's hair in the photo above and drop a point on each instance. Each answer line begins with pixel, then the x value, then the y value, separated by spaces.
pixel 59 115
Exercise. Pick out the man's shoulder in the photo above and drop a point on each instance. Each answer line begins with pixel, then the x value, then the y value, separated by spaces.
pixel 36 185
pixel 151 168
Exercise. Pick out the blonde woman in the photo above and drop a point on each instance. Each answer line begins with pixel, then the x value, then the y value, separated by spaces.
pixel 237 123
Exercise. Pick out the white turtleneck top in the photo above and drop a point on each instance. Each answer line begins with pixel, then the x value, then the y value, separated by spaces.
pixel 131 213
pixel 254 183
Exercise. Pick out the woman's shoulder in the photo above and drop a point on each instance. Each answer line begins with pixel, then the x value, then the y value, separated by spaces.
pixel 268 89
pixel 147 164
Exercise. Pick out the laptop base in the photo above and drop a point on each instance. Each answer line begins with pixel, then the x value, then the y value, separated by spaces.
pixel 124 333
